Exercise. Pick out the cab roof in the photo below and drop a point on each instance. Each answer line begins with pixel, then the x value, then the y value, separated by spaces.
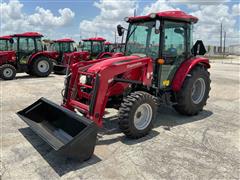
pixel 174 15
pixel 64 40
pixel 5 37
pixel 95 39
pixel 28 34
pixel 108 43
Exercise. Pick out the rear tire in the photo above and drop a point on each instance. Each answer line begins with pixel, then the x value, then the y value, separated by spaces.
pixel 137 114
pixel 42 67
pixel 7 72
pixel 194 93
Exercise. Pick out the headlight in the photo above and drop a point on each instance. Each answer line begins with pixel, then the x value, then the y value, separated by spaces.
pixel 153 15
pixel 83 79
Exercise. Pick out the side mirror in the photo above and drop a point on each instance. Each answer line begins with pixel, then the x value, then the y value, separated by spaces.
pixel 198 48
pixel 11 40
pixel 120 30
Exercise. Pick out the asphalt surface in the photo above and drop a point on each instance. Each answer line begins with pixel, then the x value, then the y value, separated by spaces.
pixel 206 146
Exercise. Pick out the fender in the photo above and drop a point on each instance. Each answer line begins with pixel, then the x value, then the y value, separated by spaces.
pixel 118 54
pixel 48 54
pixel 101 55
pixel 184 69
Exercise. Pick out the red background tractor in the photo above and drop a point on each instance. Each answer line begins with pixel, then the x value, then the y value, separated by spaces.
pixel 5 43
pixel 160 66
pixel 63 51
pixel 27 55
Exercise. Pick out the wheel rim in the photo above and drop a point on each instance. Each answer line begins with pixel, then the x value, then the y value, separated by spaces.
pixel 43 66
pixel 142 116
pixel 198 90
pixel 7 72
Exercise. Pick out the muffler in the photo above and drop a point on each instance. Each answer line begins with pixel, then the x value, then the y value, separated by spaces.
pixel 66 132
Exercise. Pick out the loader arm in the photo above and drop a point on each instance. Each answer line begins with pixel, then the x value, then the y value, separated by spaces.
pixel 104 81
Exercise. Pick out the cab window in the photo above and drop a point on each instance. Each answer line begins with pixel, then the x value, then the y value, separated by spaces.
pixel 174 41
pixel 26 44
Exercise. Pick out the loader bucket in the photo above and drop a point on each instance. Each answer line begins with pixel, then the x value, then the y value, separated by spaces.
pixel 59 69
pixel 65 131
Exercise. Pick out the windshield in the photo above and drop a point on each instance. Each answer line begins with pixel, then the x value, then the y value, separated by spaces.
pixel 5 45
pixel 54 47
pixel 62 47
pixel 143 39
pixel 86 46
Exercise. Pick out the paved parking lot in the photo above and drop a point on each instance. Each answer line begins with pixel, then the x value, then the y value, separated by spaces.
pixel 206 146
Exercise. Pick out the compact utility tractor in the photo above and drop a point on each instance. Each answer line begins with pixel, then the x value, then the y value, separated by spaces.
pixel 26 55
pixel 113 47
pixel 160 66
pixel 95 46
pixel 5 43
pixel 63 51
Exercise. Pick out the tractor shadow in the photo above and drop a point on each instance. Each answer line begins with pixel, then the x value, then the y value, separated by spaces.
pixel 61 165
pixel 167 117
pixel 32 77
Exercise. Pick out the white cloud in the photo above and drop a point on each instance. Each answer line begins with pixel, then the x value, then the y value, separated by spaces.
pixel 160 5
pixel 14 20
pixel 236 9
pixel 208 27
pixel 111 14
pixel 198 2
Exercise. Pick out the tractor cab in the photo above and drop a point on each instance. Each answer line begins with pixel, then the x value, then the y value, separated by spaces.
pixel 109 47
pixel 6 43
pixel 62 46
pixel 27 44
pixel 166 37
pixel 95 46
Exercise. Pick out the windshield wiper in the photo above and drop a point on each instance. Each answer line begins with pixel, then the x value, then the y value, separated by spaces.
pixel 132 32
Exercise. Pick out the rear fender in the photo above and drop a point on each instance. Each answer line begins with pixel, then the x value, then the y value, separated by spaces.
pixel 101 55
pixel 50 55
pixel 184 69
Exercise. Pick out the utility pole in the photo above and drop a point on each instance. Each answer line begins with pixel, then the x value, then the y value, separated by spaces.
pixel 115 37
pixel 224 43
pixel 221 31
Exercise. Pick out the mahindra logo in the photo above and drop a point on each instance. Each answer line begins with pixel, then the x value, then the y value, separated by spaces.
pixel 133 65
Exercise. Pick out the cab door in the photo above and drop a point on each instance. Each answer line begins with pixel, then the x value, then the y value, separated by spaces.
pixel 26 47
pixel 173 50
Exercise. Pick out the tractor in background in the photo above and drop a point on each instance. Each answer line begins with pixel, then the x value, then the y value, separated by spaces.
pixel 26 55
pixel 96 48
pixel 63 52
pixel 161 65
pixel 5 43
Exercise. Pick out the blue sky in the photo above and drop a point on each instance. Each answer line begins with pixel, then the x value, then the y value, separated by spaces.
pixel 88 18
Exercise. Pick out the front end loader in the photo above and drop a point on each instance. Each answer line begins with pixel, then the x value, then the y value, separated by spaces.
pixel 161 66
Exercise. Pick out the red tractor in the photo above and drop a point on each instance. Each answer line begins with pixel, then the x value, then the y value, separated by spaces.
pixel 95 46
pixel 62 51
pixel 27 55
pixel 5 43
pixel 113 47
pixel 161 66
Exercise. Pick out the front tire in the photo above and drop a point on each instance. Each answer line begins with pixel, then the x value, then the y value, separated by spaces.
pixel 7 72
pixel 42 67
pixel 195 91
pixel 137 114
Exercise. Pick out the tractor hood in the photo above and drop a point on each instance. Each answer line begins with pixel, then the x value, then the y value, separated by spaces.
pixel 109 62
pixel 7 56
